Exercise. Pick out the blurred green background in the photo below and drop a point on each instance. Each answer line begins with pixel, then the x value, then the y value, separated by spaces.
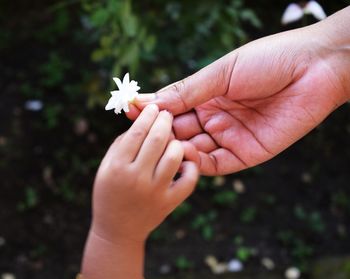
pixel 57 59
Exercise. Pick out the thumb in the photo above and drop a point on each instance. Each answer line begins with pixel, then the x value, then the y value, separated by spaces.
pixel 182 96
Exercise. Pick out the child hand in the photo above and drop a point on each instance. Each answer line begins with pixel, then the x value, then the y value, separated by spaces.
pixel 134 188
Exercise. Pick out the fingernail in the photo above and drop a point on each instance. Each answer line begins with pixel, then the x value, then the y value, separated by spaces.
pixel 168 113
pixel 146 97
pixel 153 107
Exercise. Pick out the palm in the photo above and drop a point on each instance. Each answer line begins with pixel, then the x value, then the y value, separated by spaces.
pixel 253 103
pixel 240 130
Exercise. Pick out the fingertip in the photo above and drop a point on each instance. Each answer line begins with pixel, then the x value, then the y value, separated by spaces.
pixel 191 170
pixel 135 110
pixel 142 100
pixel 190 152
pixel 175 153
pixel 178 145
pixel 172 136
pixel 187 182
pixel 133 113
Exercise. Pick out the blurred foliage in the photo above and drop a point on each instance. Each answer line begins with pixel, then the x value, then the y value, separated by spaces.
pixel 183 263
pixel 168 38
pixel 64 54
pixel 204 223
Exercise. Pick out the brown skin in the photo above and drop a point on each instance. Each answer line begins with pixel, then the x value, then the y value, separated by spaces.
pixel 253 103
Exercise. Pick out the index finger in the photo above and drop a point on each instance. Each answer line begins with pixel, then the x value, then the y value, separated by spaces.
pixel 131 143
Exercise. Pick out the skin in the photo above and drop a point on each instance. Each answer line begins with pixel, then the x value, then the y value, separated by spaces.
pixel 253 103
pixel 238 112
pixel 134 191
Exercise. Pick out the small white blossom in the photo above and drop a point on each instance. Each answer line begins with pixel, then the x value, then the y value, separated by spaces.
pixel 235 265
pixel 121 98
pixel 295 12
pixel 292 273
pixel 34 105
pixel 8 276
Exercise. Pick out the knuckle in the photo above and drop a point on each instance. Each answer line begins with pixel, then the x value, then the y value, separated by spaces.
pixel 116 166
pixel 179 89
pixel 143 179
pixel 224 76
pixel 157 138
pixel 138 133
pixel 175 152
pixel 173 157
pixel 179 86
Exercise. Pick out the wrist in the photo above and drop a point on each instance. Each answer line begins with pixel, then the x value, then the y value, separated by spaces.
pixel 334 39
pixel 123 258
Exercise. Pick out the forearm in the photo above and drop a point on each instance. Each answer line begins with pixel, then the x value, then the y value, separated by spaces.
pixel 335 35
pixel 106 260
pixel 337 28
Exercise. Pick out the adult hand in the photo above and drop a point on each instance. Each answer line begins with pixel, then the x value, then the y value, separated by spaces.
pixel 253 103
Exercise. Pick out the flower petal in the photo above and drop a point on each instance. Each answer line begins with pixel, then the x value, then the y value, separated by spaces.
pixel 126 79
pixel 118 82
pixel 126 107
pixel 111 103
pixel 117 110
pixel 121 98
pixel 315 9
pixel 292 13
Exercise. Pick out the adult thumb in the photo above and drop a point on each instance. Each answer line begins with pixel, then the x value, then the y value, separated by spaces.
pixel 182 96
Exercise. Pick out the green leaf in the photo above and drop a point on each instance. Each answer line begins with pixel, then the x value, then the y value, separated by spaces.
pixel 99 17
pixel 207 232
pixel 244 253
pixel 182 210
pixel 225 197
pixel 130 54
pixel 98 55
pixel 130 25
pixel 300 213
pixel 199 221
pixel 227 40
pixel 149 43
pixel 183 263
pixel 250 16
pixel 248 215
pixel 106 41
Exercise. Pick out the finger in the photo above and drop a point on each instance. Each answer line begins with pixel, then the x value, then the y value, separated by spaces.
pixel 182 96
pixel 115 143
pixel 155 142
pixel 133 112
pixel 186 126
pixel 220 162
pixel 190 152
pixel 172 136
pixel 170 163
pixel 131 142
pixel 185 185
pixel 204 142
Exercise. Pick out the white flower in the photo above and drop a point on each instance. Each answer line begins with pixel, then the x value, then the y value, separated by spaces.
pixel 292 273
pixel 294 12
pixel 235 265
pixel 34 105
pixel 121 98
